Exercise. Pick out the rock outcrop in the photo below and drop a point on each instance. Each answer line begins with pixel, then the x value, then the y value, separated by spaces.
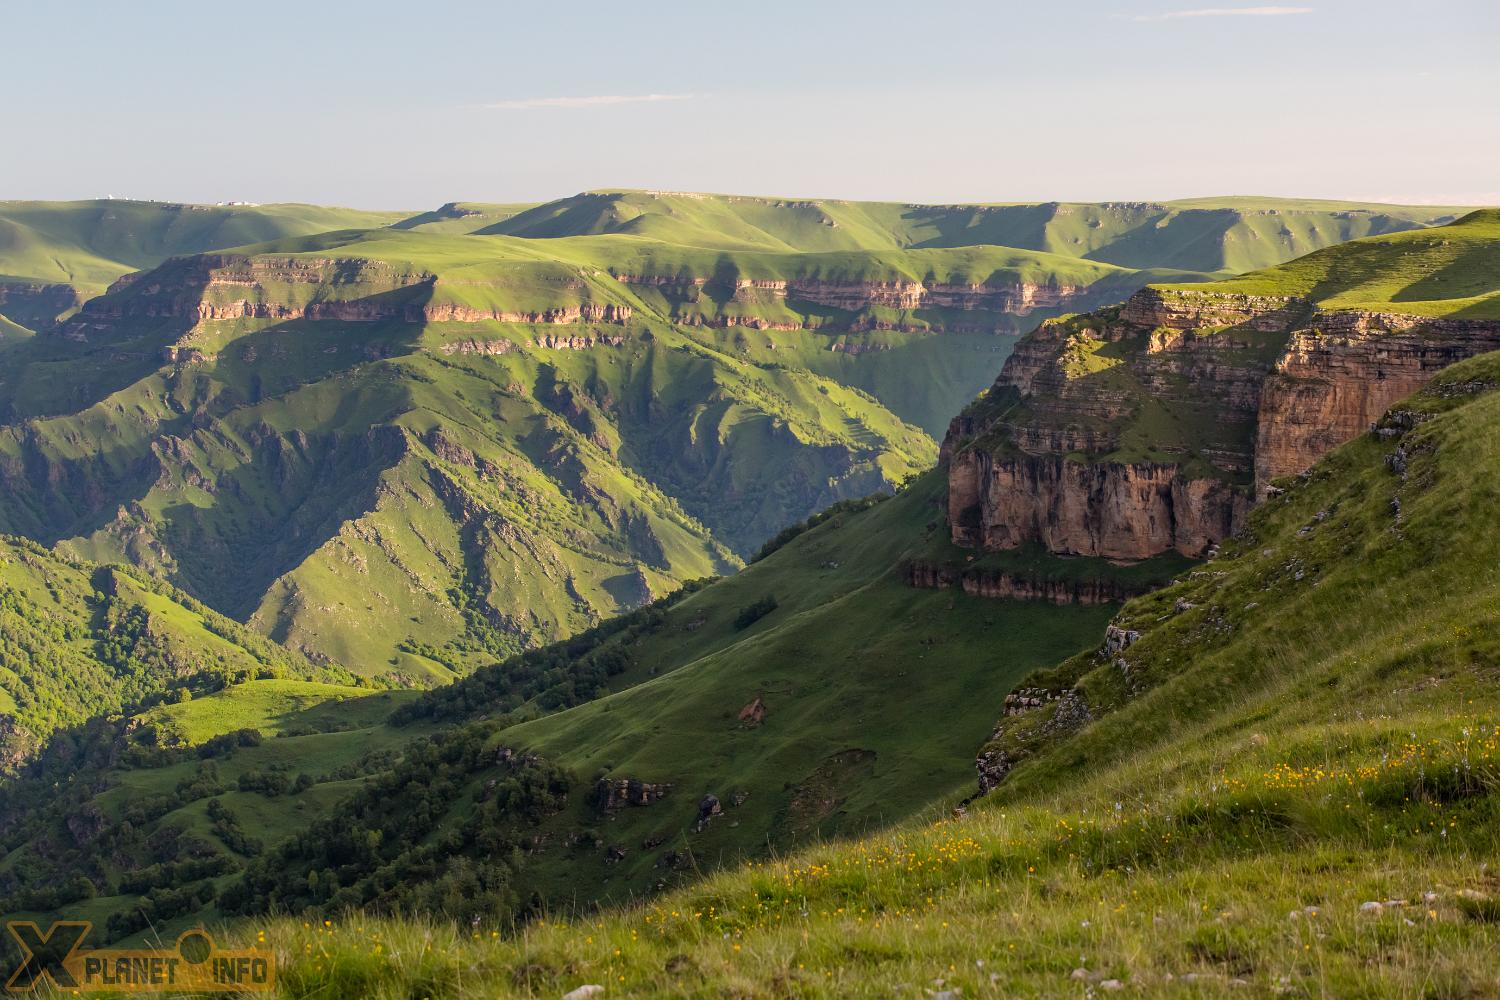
pixel 219 287
pixel 981 582
pixel 990 306
pixel 1154 426
pixel 36 305
pixel 612 794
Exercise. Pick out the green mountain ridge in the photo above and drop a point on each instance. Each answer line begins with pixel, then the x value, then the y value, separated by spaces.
pixel 502 480
pixel 1206 234
pixel 1448 272
pixel 408 434
pixel 56 255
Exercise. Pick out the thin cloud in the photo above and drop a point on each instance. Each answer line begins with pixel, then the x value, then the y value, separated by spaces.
pixel 1224 12
pixel 592 101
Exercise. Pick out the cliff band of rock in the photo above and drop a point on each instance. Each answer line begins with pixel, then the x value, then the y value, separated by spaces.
pixel 999 301
pixel 1155 425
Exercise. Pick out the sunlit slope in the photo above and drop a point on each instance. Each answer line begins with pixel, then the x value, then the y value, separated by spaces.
pixel 85 245
pixel 1210 234
pixel 79 641
pixel 858 676
pixel 1452 271
pixel 815 694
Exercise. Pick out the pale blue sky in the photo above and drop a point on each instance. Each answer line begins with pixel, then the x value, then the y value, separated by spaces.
pixel 410 104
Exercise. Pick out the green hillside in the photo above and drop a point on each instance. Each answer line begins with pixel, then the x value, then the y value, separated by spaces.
pixel 79 641
pixel 874 696
pixel 459 217
pixel 1206 234
pixel 86 245
pixel 403 484
pixel 425 449
pixel 1286 785
pixel 98 241
pixel 1451 271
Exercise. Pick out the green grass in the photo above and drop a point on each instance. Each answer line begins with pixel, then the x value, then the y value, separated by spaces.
pixel 665 452
pixel 11 332
pixel 615 472
pixel 834 673
pixel 88 244
pixel 1210 234
pixel 274 707
pixel 1305 726
pixel 79 641
pixel 1445 272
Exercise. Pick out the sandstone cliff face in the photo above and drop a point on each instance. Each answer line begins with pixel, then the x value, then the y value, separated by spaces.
pixel 1154 426
pixel 1113 510
pixel 1013 299
pixel 1337 378
pixel 213 288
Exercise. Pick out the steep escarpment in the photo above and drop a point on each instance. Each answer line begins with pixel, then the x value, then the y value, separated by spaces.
pixel 345 289
pixel 1155 426
pixel 35 305
pixel 855 304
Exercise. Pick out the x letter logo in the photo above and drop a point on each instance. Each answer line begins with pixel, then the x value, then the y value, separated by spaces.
pixel 46 955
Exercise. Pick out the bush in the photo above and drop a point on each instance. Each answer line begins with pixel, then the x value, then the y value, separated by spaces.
pixel 752 613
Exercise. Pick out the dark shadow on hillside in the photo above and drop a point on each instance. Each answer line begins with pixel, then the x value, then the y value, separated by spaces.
pixel 338 715
pixel 580 215
pixel 1476 272
pixel 1021 226
pixel 1192 239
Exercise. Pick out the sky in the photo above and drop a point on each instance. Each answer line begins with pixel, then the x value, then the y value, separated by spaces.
pixel 409 105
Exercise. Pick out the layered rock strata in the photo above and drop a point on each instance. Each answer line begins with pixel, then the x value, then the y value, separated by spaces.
pixel 1154 426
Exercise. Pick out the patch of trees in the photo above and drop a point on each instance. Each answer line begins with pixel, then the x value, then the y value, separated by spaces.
pixel 555 677
pixel 157 906
pixel 441 833
pixel 226 827
pixel 842 507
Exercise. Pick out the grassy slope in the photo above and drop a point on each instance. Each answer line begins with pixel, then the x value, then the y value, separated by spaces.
pixel 274 707
pixel 88 244
pixel 1212 234
pixel 12 332
pixel 79 641
pixel 1451 271
pixel 831 682
pixel 670 441
pixel 1317 732
pixel 461 217
pixel 832 673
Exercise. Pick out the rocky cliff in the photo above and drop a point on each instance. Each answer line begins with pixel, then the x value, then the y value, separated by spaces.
pixel 217 287
pixel 1154 426
pixel 36 305
pixel 858 305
